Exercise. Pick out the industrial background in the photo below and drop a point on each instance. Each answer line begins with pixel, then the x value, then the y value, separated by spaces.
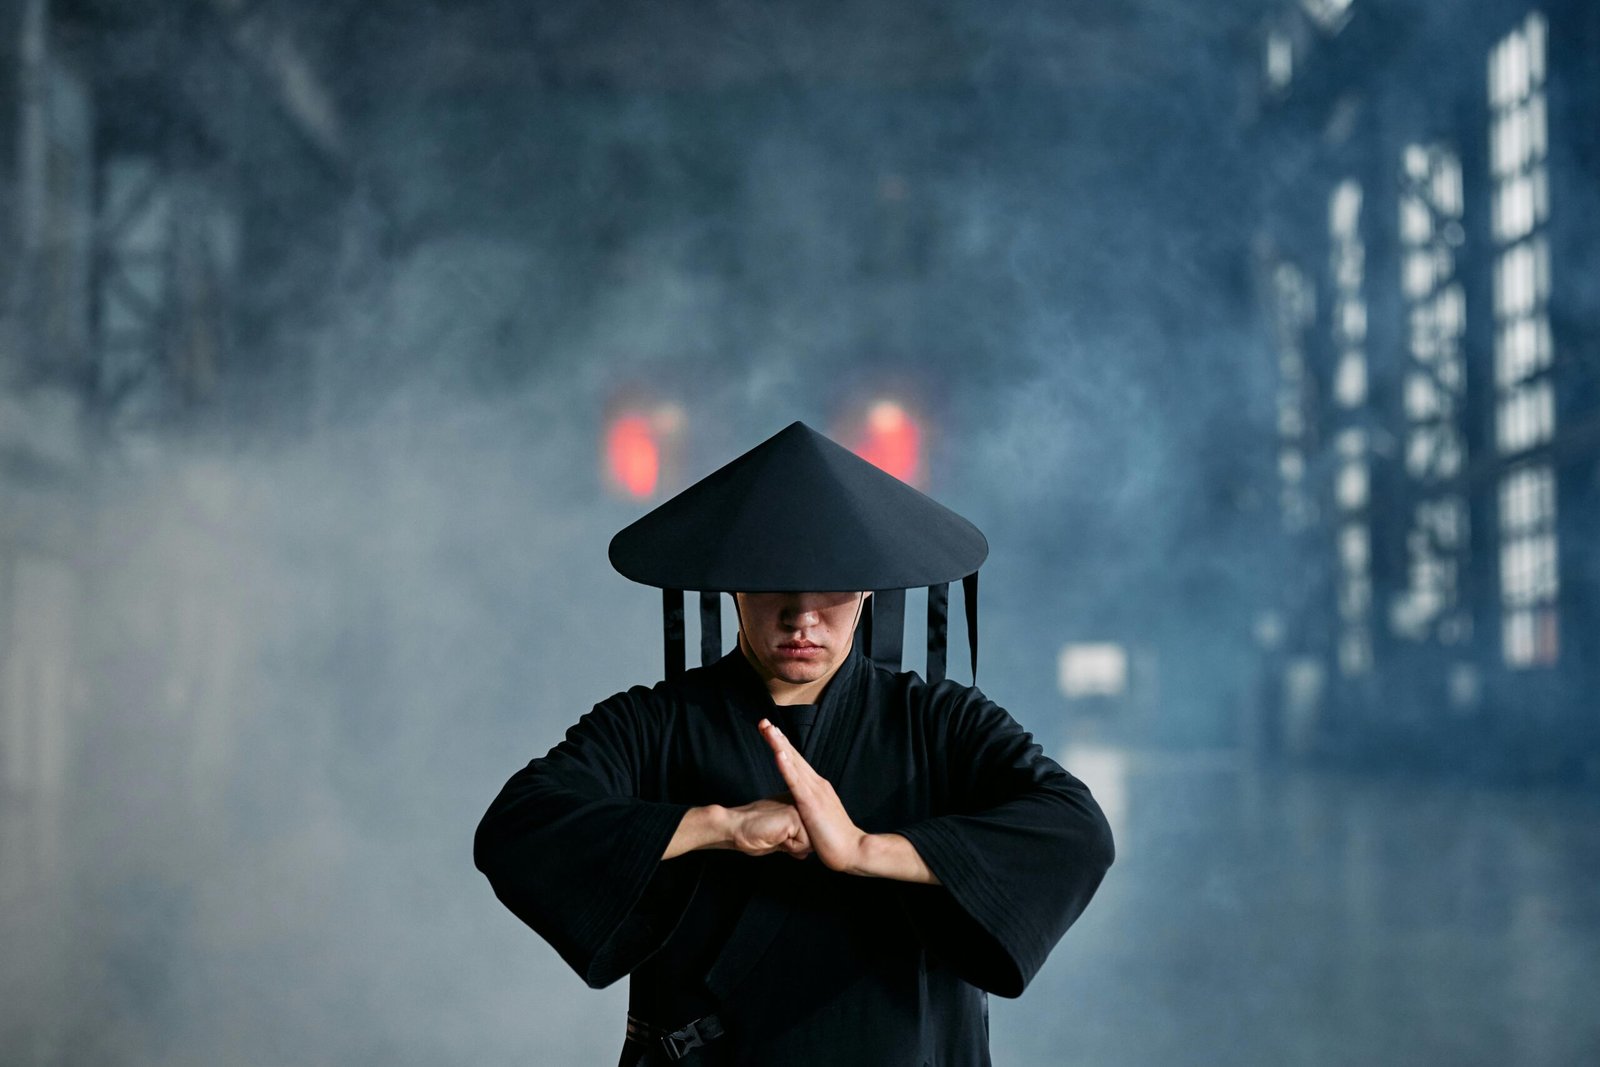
pixel 1261 338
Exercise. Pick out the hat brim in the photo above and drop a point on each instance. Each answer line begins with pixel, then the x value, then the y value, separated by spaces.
pixel 798 513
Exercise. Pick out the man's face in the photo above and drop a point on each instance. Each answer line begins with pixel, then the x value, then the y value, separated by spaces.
pixel 798 637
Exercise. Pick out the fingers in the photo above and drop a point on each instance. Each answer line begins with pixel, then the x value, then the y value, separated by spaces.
pixel 791 778
pixel 798 841
pixel 793 769
pixel 791 764
pixel 774 737
pixel 830 833
pixel 770 825
pixel 811 794
pixel 797 847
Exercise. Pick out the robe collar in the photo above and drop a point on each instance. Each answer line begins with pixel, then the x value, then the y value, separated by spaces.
pixel 837 711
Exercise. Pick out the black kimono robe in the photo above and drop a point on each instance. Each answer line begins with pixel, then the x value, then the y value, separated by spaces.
pixel 802 965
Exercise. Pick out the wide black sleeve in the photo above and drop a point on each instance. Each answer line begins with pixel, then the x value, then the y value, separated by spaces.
pixel 573 843
pixel 1020 851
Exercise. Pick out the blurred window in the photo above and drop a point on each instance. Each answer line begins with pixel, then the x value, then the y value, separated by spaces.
pixel 1329 15
pixel 1525 400
pixel 1294 311
pixel 1090 670
pixel 1352 479
pixel 1433 396
pixel 1279 60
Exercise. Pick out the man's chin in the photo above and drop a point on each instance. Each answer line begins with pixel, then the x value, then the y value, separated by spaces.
pixel 801 673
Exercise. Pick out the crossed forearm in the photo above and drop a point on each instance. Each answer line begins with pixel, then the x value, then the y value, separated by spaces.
pixel 894 856
pixel 705 827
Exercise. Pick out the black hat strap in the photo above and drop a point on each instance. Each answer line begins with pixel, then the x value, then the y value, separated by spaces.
pixel 969 594
pixel 888 627
pixel 710 628
pixel 864 629
pixel 938 629
pixel 882 631
pixel 672 630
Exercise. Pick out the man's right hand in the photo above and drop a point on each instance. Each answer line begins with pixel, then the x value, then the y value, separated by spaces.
pixel 759 828
pixel 767 826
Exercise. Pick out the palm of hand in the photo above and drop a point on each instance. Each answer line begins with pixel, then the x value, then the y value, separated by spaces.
pixel 830 831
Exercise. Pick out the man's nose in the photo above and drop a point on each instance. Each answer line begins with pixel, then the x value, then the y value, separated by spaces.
pixel 799 619
pixel 800 614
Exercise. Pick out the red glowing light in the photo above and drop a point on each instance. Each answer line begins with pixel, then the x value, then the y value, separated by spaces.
pixel 632 455
pixel 891 440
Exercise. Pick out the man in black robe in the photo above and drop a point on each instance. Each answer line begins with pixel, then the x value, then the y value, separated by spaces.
pixel 941 854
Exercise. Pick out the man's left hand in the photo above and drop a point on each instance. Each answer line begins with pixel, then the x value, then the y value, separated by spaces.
pixel 834 837
pixel 836 840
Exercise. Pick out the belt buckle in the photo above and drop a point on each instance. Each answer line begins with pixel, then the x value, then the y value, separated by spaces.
pixel 680 1043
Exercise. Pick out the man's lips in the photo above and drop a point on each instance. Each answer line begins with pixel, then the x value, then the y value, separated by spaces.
pixel 798 649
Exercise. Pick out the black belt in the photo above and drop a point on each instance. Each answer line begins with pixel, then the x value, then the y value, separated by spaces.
pixel 676 1044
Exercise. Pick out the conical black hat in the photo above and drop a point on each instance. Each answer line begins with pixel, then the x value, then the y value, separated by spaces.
pixel 798 513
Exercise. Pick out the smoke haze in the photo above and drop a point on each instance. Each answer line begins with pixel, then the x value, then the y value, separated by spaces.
pixel 290 639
